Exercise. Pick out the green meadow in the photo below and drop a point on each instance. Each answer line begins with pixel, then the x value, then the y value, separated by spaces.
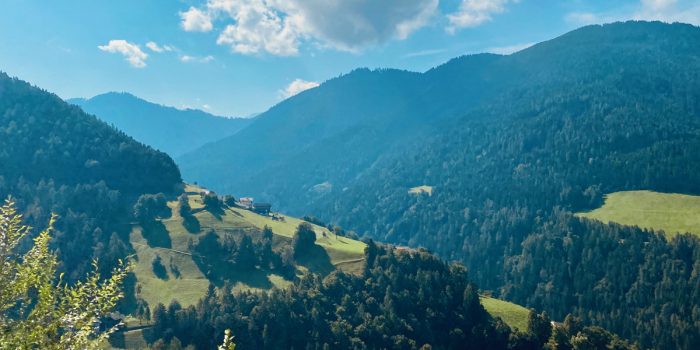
pixel 188 284
pixel 673 213
pixel 513 315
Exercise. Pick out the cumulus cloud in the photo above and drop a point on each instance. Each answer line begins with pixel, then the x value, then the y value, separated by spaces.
pixel 297 86
pixel 472 13
pixel 205 59
pixel 353 25
pixel 278 27
pixel 258 27
pixel 131 52
pixel 158 48
pixel 195 20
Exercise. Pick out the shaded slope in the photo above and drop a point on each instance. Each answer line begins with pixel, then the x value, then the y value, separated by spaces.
pixel 54 158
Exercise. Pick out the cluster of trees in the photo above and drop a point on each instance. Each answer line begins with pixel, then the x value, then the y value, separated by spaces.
pixel 404 300
pixel 219 256
pixel 149 207
pixel 639 283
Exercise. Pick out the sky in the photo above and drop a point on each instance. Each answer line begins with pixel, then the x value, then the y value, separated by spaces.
pixel 241 57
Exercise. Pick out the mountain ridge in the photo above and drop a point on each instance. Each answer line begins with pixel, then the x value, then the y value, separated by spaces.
pixel 159 126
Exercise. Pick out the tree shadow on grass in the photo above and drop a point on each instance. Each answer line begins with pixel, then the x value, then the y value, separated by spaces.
pixel 159 269
pixel 217 212
pixel 218 273
pixel 316 259
pixel 156 235
pixel 191 224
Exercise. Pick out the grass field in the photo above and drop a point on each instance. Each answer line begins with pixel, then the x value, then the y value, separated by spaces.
pixel 672 213
pixel 513 315
pixel 169 240
pixel 425 189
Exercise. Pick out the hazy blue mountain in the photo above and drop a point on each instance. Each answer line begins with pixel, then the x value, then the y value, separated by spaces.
pixel 168 129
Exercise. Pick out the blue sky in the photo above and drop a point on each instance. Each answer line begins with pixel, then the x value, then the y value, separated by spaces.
pixel 239 57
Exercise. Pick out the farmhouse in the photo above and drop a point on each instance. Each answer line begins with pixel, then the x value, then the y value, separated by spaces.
pixel 262 208
pixel 246 202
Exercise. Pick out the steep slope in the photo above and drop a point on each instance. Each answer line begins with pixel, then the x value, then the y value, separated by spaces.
pixel 168 129
pixel 354 105
pixel 54 158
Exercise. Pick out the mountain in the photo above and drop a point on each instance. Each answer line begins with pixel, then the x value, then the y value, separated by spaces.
pixel 510 147
pixel 168 129
pixel 55 158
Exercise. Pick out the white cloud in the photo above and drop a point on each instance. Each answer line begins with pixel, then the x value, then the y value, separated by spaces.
pixel 131 52
pixel 686 11
pixel 422 53
pixel 278 27
pixel 205 59
pixel 297 86
pixel 472 13
pixel 257 28
pixel 353 25
pixel 582 18
pixel 507 50
pixel 194 20
pixel 669 11
pixel 158 48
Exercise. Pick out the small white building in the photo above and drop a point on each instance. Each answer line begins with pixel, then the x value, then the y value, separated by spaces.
pixel 246 202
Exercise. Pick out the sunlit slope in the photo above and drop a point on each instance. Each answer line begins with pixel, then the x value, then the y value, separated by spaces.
pixel 188 284
pixel 670 212
pixel 513 315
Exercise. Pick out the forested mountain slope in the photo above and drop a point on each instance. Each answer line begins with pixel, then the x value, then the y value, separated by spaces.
pixel 620 111
pixel 511 145
pixel 54 158
pixel 167 129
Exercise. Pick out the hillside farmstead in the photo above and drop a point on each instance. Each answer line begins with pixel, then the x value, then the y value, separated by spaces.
pixel 246 202
pixel 262 208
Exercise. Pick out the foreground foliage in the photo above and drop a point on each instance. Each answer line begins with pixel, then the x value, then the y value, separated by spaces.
pixel 55 158
pixel 39 311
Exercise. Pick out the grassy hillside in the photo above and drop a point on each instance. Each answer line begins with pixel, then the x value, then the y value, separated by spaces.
pixel 171 244
pixel 670 212
pixel 513 315
pixel 186 283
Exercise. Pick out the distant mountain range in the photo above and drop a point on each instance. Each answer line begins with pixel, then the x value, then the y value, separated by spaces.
pixel 167 129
